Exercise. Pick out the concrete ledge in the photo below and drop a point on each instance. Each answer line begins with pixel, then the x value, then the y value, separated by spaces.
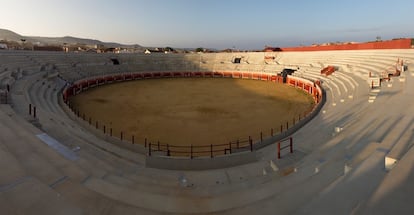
pixel 177 163
pixel 57 146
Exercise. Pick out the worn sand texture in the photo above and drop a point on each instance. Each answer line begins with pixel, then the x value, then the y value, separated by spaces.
pixel 193 111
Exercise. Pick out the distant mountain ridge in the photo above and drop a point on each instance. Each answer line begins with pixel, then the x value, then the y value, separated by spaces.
pixel 12 36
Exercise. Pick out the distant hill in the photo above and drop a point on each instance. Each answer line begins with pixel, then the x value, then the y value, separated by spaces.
pixel 12 36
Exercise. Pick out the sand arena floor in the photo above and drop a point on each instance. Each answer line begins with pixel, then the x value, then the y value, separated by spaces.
pixel 198 111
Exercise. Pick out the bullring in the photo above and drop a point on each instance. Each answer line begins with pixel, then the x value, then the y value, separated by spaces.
pixel 356 132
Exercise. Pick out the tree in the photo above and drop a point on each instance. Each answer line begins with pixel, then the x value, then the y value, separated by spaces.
pixel 168 49
pixel 199 49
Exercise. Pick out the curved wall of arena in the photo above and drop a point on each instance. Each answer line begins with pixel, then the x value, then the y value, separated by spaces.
pixel 231 156
pixel 391 44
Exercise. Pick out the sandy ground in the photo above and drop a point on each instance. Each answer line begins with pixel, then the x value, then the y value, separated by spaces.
pixel 193 111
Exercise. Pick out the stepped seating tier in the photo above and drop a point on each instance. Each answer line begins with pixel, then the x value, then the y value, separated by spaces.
pixel 346 160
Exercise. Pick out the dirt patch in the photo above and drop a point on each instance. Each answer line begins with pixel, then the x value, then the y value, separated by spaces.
pixel 189 111
pixel 100 100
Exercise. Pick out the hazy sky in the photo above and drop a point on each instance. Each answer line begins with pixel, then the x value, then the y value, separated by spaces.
pixel 243 24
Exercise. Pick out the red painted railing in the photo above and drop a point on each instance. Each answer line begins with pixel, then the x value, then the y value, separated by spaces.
pixel 312 88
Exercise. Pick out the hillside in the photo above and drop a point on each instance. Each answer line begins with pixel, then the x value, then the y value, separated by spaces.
pixel 12 36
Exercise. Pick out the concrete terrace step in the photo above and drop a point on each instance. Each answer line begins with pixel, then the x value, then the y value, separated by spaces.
pixel 174 203
pixel 403 136
pixel 47 118
pixel 89 158
pixel 91 202
pixel 34 155
pixel 27 196
pixel 109 180
pixel 187 183
pixel 293 190
pixel 395 192
pixel 362 180
pixel 9 164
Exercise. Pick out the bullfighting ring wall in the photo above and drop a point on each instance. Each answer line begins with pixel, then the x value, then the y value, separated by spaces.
pixel 390 44
pixel 211 156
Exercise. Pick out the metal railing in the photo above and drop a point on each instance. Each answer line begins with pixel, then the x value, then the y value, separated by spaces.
pixel 193 151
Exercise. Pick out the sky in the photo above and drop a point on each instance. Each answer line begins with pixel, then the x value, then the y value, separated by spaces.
pixel 219 24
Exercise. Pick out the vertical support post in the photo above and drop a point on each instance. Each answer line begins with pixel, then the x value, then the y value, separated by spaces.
pixel 133 139
pixel 34 112
pixel 30 109
pixel 90 120
pixel 211 150
pixel 104 129
pixel 291 144
pixel 281 128
pixel 96 125
pixel 168 150
pixel 251 144
pixel 372 84
pixel 191 151
pixel 278 150
pixel 8 88
pixel 110 132
pixel 287 125
pixel 230 147
pixel 261 136
pixel 149 149
pixel 122 135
